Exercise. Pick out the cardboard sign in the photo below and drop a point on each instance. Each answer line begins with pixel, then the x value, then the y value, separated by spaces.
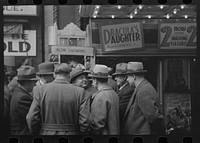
pixel 20 44
pixel 178 35
pixel 122 36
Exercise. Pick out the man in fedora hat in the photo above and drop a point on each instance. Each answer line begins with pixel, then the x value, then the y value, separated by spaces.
pixel 124 90
pixel 21 100
pixel 142 116
pixel 104 104
pixel 79 77
pixel 46 73
pixel 112 83
pixel 58 107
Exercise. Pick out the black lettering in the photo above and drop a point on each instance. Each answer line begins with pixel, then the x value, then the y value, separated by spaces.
pixel 113 40
pixel 10 47
pixel 5 46
pixel 137 36
pixel 21 47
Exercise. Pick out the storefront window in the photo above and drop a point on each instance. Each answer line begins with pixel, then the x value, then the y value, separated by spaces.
pixel 177 97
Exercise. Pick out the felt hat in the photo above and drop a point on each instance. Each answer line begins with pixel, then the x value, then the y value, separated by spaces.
pixel 45 68
pixel 135 67
pixel 99 71
pixel 121 69
pixel 26 73
pixel 76 72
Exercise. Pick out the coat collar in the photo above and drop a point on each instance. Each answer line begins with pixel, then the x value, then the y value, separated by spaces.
pixel 132 99
pixel 62 81
pixel 104 87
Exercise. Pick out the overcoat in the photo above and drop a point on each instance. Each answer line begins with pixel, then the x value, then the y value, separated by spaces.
pixel 58 109
pixel 19 106
pixel 124 94
pixel 104 115
pixel 142 110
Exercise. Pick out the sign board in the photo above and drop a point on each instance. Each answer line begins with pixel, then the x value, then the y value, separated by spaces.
pixel 62 50
pixel 122 36
pixel 20 44
pixel 54 58
pixel 178 35
pixel 21 10
pixel 178 110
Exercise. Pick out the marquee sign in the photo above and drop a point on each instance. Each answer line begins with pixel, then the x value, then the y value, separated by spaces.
pixel 20 44
pixel 178 35
pixel 122 36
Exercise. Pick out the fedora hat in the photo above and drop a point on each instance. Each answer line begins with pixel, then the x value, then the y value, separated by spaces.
pixel 26 73
pixel 99 71
pixel 76 72
pixel 121 69
pixel 45 68
pixel 135 67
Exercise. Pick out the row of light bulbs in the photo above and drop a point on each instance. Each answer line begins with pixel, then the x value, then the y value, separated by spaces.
pixel 136 11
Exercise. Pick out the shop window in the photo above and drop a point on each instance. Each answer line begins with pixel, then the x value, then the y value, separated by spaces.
pixel 177 97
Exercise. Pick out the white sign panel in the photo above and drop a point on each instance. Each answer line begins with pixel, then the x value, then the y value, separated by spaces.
pixel 20 44
pixel 178 35
pixel 62 50
pixel 122 36
pixel 30 10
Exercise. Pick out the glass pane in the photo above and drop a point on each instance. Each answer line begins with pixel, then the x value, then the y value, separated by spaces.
pixel 72 41
pixel 64 42
pixel 177 97
pixel 80 42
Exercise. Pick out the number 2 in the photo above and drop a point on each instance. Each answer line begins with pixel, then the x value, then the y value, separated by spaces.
pixel 168 31
pixel 192 29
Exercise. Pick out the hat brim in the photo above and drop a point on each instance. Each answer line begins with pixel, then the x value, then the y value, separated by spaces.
pixel 80 73
pixel 27 79
pixel 38 73
pixel 137 72
pixel 119 74
pixel 94 76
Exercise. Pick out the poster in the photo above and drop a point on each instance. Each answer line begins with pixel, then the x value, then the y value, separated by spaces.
pixel 122 36
pixel 20 44
pixel 178 35
pixel 177 110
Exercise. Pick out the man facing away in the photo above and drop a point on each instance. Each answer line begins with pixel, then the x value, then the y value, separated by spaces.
pixel 45 73
pixel 57 108
pixel 104 109
pixel 142 115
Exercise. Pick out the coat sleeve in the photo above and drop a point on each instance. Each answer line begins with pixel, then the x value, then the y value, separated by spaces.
pixel 147 102
pixel 33 117
pixel 84 113
pixel 99 112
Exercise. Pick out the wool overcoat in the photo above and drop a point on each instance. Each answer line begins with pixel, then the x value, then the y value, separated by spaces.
pixel 58 109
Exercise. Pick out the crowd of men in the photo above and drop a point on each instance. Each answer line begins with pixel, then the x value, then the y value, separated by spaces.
pixel 64 99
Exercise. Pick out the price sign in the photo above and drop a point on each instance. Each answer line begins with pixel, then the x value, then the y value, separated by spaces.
pixel 178 35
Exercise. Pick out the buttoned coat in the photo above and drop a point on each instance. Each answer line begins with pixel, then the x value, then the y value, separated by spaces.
pixel 105 112
pixel 19 106
pixel 124 94
pixel 58 109
pixel 142 110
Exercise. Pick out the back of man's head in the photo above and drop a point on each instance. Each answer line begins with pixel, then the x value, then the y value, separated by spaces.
pixel 62 69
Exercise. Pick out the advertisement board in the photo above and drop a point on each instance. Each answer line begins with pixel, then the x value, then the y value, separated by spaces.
pixel 178 35
pixel 178 110
pixel 122 36
pixel 20 44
